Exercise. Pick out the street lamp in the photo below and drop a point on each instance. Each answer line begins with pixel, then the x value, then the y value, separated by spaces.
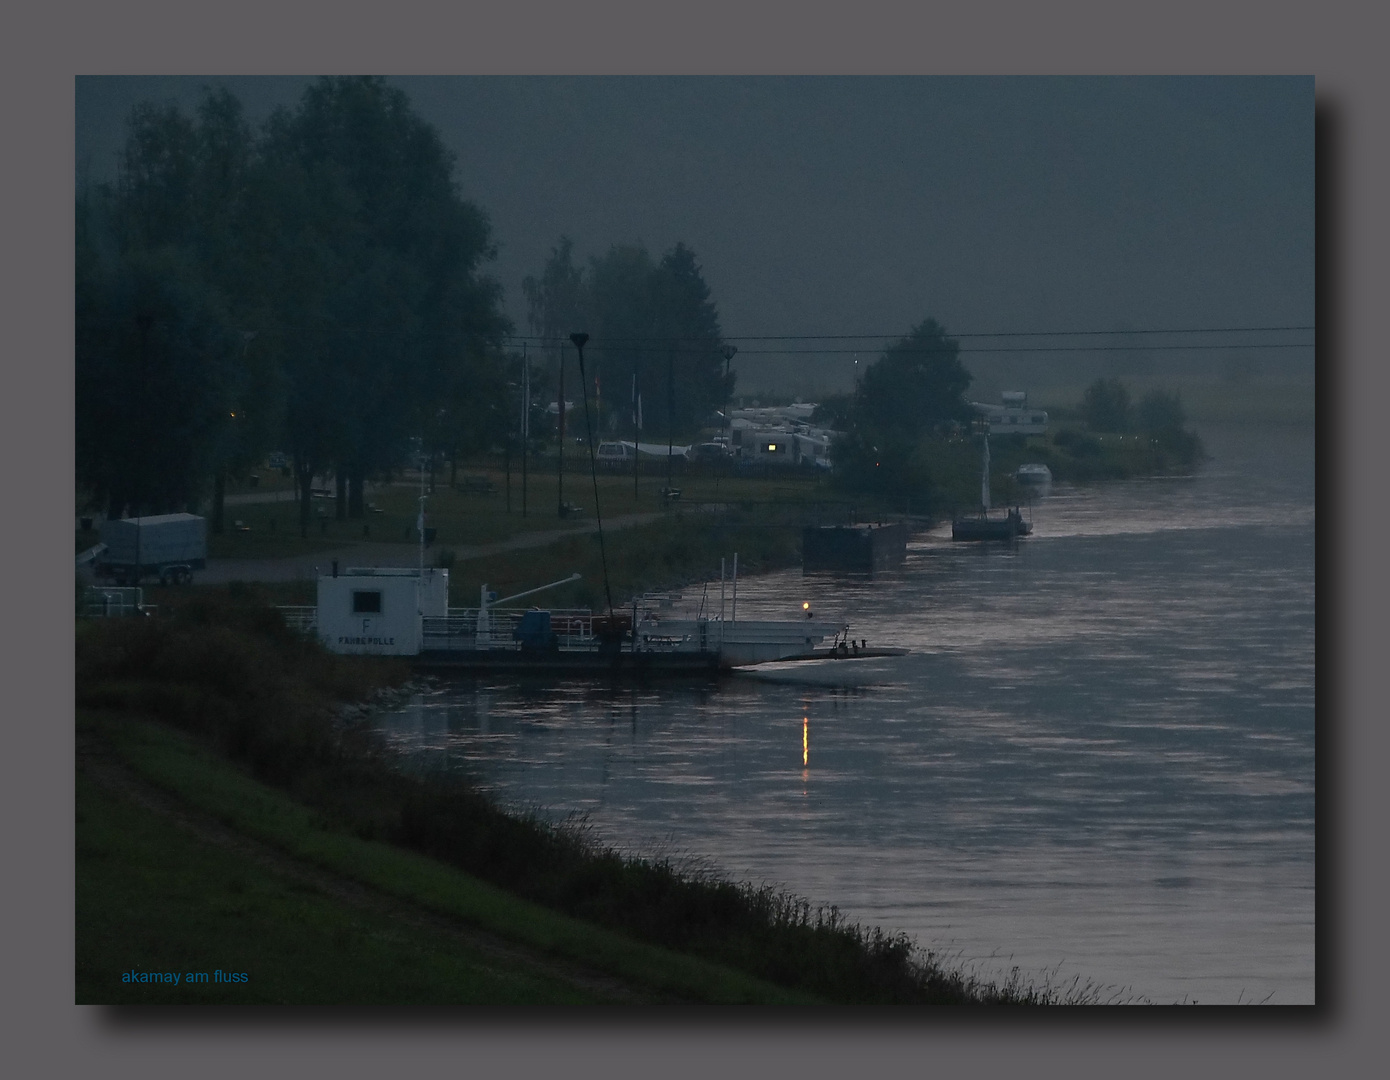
pixel 579 340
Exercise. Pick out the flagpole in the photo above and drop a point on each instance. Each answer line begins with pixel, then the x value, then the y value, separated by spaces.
pixel 420 522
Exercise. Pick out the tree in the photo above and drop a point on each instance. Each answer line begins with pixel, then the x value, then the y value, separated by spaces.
pixel 156 380
pixel 906 400
pixel 916 386
pixel 653 321
pixel 374 265
pixel 155 311
pixel 1106 407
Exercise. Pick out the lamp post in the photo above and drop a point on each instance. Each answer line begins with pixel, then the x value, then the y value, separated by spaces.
pixel 579 340
pixel 560 427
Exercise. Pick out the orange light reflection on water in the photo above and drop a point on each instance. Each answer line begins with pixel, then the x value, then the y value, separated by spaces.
pixel 805 727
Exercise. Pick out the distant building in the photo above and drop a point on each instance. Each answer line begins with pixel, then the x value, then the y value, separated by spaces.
pixel 1013 415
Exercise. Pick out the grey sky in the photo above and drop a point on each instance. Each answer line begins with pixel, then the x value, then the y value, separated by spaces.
pixel 865 204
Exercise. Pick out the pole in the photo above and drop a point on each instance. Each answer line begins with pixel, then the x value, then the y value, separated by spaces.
pixel 721 602
pixel 733 608
pixel 729 352
pixel 670 413
pixel 560 408
pixel 525 420
pixel 636 431
pixel 420 521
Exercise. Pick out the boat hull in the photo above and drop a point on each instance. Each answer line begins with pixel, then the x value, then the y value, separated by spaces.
pixel 592 664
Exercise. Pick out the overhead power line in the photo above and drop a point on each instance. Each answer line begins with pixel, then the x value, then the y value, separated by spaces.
pixel 1029 349
pixel 655 340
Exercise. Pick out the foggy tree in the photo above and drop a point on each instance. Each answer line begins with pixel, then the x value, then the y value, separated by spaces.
pixel 906 400
pixel 917 385
pixel 156 249
pixel 375 277
pixel 156 380
pixel 1106 407
pixel 557 305
pixel 654 320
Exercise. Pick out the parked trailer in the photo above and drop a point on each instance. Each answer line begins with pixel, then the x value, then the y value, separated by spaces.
pixel 168 546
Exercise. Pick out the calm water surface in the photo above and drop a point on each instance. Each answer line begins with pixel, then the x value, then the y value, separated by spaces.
pixel 1097 760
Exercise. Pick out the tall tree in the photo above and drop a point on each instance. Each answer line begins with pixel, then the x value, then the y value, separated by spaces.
pixel 156 380
pixel 917 385
pixel 154 253
pixel 651 320
pixel 904 402
pixel 376 277
pixel 1106 406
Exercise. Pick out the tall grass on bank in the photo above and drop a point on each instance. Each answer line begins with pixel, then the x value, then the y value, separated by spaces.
pixel 225 669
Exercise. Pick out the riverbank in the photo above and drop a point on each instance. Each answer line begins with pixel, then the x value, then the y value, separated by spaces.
pixel 238 721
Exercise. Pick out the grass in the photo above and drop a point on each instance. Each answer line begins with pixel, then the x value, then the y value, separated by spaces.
pixel 175 896
pixel 151 897
pixel 464 519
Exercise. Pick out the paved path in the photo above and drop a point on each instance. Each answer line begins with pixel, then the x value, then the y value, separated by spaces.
pixel 366 553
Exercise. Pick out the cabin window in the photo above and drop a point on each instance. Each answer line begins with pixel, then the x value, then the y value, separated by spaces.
pixel 366 602
pixel 772 448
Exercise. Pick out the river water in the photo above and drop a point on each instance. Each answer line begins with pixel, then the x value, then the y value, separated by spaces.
pixel 1097 761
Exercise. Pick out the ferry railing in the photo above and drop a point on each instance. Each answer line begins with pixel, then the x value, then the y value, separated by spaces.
pixel 573 628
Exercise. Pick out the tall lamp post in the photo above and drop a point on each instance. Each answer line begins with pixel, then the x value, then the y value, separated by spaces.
pixel 579 340
pixel 560 427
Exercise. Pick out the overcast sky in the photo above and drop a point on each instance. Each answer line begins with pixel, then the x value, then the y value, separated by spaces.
pixel 862 205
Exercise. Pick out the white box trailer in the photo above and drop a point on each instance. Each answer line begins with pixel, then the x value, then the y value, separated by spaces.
pixel 378 610
pixel 170 546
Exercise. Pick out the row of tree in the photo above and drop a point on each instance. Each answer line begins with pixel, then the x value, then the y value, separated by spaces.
pixel 654 333
pixel 314 286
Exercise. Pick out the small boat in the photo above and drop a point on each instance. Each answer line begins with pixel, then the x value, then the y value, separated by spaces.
pixel 1034 473
pixel 1009 527
pixel 984 527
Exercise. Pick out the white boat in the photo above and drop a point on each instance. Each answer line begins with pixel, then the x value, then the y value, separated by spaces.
pixel 1034 473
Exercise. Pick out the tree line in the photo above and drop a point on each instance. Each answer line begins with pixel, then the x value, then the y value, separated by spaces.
pixel 317 285
pixel 655 335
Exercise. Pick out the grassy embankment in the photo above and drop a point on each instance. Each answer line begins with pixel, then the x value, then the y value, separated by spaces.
pixel 464 519
pixel 235 717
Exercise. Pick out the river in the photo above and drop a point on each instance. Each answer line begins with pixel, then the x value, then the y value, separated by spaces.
pixel 1096 763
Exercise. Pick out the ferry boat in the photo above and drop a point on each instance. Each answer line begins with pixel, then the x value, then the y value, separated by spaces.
pixel 404 612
